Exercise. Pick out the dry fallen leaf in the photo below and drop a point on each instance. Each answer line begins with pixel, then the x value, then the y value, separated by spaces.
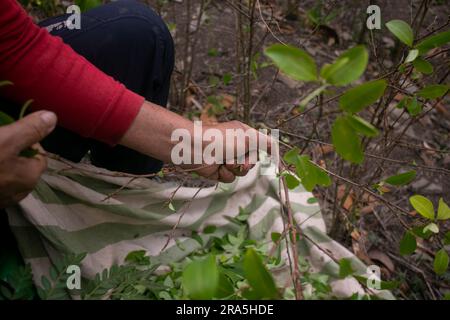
pixel 355 235
pixel 441 108
pixel 348 202
pixel 323 149
pixel 413 213
pixel 368 198
pixel 377 255
pixel 188 101
pixel 384 189
pixel 227 100
pixel 367 209
pixel 287 29
pixel 359 240
pixel 361 254
pixel 207 116
pixel 398 97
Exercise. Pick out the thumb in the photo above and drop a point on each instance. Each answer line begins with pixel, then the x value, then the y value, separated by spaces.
pixel 30 129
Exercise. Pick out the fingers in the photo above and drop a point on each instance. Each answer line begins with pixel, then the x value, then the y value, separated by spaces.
pixel 254 140
pixel 29 130
pixel 225 175
pixel 241 170
pixel 9 201
pixel 19 176
pixel 28 170
pixel 19 197
pixel 240 151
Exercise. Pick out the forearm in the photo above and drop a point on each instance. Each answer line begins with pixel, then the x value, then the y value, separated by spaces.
pixel 151 131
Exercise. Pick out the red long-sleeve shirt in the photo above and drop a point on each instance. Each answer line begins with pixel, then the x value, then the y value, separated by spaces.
pixel 44 69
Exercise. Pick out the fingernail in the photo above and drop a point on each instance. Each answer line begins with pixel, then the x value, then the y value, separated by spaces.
pixel 49 118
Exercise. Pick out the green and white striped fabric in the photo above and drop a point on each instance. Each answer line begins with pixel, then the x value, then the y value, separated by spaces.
pixel 70 212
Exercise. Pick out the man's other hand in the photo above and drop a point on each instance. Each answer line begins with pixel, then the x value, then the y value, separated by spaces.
pixel 19 175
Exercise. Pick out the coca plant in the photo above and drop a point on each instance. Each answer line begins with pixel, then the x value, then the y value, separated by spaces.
pixel 351 133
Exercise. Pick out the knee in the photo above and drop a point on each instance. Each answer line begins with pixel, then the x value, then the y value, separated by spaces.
pixel 139 22
pixel 138 10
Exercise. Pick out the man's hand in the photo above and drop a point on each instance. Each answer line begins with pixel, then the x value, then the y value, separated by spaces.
pixel 231 167
pixel 19 175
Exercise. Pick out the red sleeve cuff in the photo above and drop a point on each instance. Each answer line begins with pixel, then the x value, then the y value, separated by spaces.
pixel 118 118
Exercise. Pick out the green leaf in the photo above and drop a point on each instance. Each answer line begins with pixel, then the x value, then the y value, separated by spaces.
pixel 441 262
pixel 46 283
pixel 362 126
pixel 447 238
pixel 311 96
pixel 402 31
pixel 384 285
pixel 209 229
pixel 53 273
pixel 434 41
pixel 172 207
pixel 423 206
pixel 200 278
pixel 408 244
pixel 276 236
pixel 24 108
pixel 214 81
pixel 225 287
pixel 414 107
pixel 357 98
pixel 310 174
pixel 197 237
pixel 346 142
pixel 213 52
pixel 345 268
pixel 401 178
pixel 5 119
pixel 433 91
pixel 328 69
pixel 291 157
pixel 423 66
pixel 432 227
pixel 420 232
pixel 443 210
pixel 389 285
pixel 226 79
pixel 347 68
pixel 5 83
pixel 402 103
pixel 138 257
pixel 86 5
pixel 412 55
pixel 291 181
pixel 258 277
pixel 312 200
pixel 292 61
